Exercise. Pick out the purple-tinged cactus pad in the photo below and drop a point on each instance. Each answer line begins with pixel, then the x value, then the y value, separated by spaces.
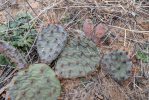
pixel 13 54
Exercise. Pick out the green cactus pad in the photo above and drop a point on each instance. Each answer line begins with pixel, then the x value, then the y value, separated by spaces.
pixel 38 82
pixel 12 53
pixel 51 42
pixel 117 64
pixel 80 57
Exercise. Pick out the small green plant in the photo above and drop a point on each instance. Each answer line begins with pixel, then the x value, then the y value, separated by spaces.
pixel 142 51
pixel 19 33
pixel 142 56
pixel 37 82
pixel 5 61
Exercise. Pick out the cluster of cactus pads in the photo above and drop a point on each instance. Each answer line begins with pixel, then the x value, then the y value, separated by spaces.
pixel 51 42
pixel 38 82
pixel 79 57
pixel 117 64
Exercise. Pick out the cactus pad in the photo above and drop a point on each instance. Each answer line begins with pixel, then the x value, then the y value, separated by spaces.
pixel 80 57
pixel 14 55
pixel 117 64
pixel 38 82
pixel 51 42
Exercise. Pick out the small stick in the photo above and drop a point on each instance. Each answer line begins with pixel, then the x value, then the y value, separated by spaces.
pixel 125 38
pixel 31 7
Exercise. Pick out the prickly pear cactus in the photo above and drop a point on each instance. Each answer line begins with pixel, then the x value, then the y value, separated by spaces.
pixel 38 82
pixel 117 64
pixel 51 42
pixel 14 55
pixel 80 57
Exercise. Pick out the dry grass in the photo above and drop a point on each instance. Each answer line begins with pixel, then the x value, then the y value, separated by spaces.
pixel 127 21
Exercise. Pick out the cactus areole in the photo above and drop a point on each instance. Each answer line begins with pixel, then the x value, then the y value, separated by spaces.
pixel 38 82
